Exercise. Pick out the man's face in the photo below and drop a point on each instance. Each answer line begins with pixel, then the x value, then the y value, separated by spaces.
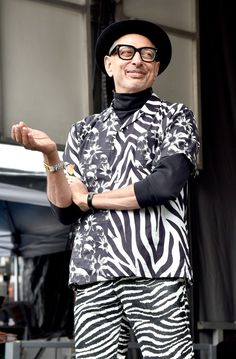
pixel 133 75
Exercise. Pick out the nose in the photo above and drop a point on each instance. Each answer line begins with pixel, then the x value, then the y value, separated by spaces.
pixel 137 57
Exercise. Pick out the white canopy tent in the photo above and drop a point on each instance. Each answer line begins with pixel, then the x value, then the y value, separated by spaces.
pixel 35 242
pixel 27 224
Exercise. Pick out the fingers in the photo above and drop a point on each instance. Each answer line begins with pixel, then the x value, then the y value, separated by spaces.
pixel 24 137
pixel 72 179
pixel 19 132
pixel 69 179
pixel 76 185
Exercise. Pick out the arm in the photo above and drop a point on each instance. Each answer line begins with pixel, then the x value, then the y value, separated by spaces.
pixel 118 199
pixel 163 185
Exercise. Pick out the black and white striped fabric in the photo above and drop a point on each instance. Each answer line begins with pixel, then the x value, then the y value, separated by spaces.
pixel 106 154
pixel 156 310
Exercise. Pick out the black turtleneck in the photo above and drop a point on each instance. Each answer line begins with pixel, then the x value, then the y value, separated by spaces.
pixel 125 104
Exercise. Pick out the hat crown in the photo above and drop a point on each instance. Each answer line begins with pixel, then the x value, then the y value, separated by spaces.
pixel 142 27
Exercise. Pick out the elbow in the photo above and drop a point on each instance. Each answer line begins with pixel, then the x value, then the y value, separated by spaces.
pixel 64 220
pixel 167 195
pixel 67 215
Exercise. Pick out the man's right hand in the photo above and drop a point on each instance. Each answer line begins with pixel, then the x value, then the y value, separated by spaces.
pixel 32 139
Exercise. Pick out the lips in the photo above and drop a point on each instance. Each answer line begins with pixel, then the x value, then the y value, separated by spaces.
pixel 135 73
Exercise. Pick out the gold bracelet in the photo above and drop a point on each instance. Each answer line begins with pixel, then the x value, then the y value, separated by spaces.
pixel 54 168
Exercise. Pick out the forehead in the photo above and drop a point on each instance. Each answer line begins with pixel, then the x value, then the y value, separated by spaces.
pixel 135 40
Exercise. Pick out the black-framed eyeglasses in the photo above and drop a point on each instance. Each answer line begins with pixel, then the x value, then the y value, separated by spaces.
pixel 127 52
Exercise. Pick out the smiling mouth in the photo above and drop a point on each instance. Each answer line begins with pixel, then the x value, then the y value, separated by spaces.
pixel 136 73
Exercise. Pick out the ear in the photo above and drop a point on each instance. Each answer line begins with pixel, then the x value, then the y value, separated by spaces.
pixel 157 68
pixel 108 65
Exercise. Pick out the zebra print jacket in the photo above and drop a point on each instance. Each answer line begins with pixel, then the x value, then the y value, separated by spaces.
pixel 106 154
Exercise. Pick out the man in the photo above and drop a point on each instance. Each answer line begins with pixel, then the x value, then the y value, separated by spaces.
pixel 124 187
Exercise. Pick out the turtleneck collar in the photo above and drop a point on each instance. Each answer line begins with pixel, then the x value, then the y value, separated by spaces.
pixel 128 101
pixel 125 104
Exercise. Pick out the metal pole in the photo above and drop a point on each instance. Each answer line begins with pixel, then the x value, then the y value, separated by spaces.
pixel 16 278
pixel 12 350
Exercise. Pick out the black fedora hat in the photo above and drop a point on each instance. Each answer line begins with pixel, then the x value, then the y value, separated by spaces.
pixel 120 28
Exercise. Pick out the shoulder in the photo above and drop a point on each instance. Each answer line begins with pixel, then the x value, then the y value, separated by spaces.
pixel 89 121
pixel 166 106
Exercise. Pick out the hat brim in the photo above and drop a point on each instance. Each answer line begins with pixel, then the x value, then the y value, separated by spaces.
pixel 153 32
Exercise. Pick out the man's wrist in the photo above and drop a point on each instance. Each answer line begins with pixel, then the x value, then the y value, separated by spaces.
pixel 55 167
pixel 90 200
pixel 52 157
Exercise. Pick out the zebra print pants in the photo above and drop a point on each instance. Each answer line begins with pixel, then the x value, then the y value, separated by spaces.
pixel 156 310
